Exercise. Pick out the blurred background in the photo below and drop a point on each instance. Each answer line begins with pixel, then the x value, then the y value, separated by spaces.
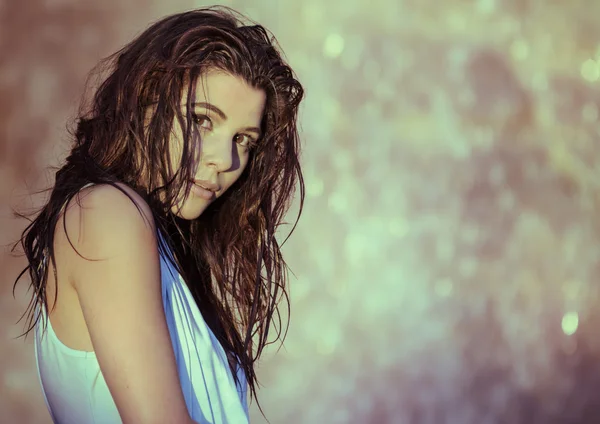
pixel 447 261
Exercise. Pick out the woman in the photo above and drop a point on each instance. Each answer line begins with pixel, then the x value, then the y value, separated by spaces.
pixel 154 264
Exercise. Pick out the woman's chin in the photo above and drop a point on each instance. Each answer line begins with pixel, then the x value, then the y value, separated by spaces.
pixel 191 209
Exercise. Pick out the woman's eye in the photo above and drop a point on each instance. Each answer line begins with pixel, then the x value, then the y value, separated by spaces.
pixel 203 121
pixel 244 140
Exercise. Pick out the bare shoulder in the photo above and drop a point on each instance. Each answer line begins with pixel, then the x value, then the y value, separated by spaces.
pixel 105 197
pixel 103 220
pixel 115 272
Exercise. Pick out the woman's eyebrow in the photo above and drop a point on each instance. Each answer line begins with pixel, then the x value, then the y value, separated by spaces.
pixel 212 108
pixel 254 130
pixel 221 114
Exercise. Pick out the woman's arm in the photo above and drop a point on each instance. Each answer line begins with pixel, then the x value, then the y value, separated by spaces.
pixel 119 292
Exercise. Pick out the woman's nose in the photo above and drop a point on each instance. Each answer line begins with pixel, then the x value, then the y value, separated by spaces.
pixel 218 150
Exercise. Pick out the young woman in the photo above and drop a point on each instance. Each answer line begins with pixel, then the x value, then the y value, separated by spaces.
pixel 154 265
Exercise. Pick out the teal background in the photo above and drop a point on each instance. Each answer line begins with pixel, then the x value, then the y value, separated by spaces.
pixel 447 262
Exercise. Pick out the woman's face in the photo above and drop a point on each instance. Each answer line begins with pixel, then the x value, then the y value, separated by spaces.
pixel 227 113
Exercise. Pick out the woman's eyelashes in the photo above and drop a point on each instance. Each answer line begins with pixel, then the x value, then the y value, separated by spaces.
pixel 205 123
pixel 248 142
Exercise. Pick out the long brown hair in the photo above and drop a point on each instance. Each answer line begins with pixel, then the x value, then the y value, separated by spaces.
pixel 229 256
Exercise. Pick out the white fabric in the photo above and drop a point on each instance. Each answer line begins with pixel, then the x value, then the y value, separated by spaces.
pixel 76 392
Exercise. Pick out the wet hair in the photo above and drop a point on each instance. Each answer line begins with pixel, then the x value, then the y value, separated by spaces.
pixel 229 256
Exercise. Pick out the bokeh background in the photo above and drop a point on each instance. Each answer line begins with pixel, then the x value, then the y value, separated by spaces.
pixel 447 262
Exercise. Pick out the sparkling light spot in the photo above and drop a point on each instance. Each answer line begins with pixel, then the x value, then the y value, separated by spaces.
pixel 332 108
pixel 444 249
pixel 506 200
pixel 467 267
pixel 398 227
pixel 589 112
pixel 328 342
pixel 486 7
pixel 497 175
pixel 338 202
pixel 443 287
pixel 355 246
pixel 519 50
pixel 539 81
pixel 456 21
pixel 590 70
pixel 338 288
pixel 467 98
pixel 343 160
pixel 570 322
pixel 333 46
pixel 314 188
pixel 312 14
pixel 571 289
pixel 372 70
pixel 353 52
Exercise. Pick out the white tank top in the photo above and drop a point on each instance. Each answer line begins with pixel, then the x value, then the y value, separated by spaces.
pixel 76 392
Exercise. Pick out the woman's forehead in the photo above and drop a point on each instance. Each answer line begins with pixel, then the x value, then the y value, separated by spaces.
pixel 228 92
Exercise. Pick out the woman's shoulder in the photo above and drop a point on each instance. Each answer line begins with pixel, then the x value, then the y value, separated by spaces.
pixel 102 215
pixel 117 198
pixel 117 281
